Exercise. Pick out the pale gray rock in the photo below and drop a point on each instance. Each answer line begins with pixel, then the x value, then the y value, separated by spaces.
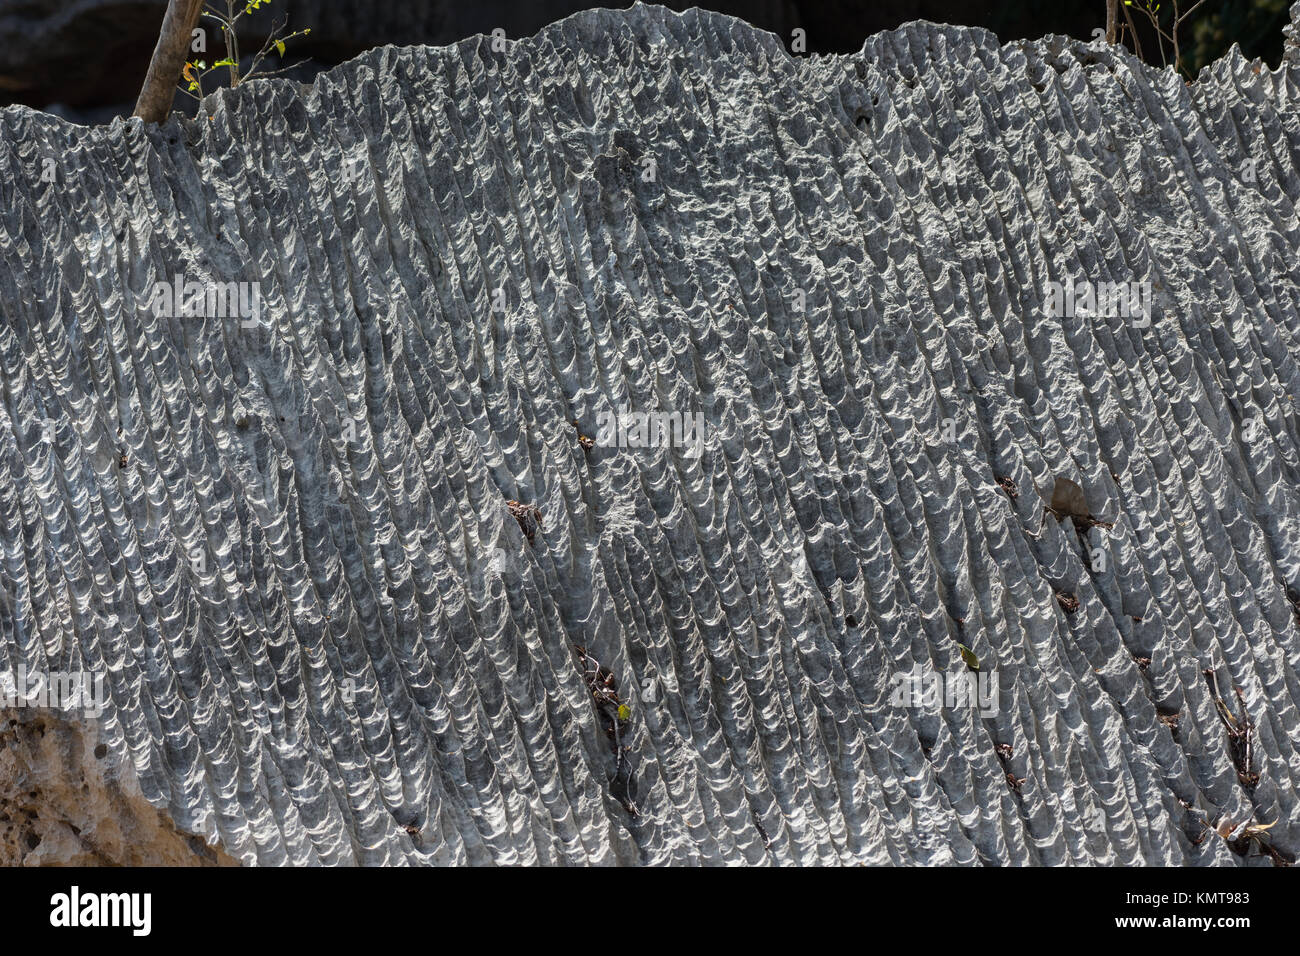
pixel 327 639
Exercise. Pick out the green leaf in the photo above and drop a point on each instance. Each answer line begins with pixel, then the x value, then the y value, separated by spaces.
pixel 279 47
pixel 624 712
pixel 969 657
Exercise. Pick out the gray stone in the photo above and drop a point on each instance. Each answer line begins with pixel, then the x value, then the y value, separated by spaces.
pixel 290 545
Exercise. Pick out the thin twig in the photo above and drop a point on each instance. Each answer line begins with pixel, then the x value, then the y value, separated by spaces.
pixel 1178 60
pixel 1132 29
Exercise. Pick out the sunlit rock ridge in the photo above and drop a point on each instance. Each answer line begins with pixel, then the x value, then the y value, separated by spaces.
pixel 285 537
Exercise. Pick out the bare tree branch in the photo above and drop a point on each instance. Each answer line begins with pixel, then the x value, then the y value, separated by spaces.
pixel 1133 32
pixel 159 90
pixel 1178 19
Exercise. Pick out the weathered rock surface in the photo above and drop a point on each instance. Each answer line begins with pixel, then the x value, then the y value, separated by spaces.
pixel 97 51
pixel 89 53
pixel 67 800
pixel 326 636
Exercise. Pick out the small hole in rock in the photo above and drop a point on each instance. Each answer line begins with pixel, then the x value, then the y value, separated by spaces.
pixel 101 751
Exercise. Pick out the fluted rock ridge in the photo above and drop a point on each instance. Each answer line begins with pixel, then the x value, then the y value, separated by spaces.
pixel 282 530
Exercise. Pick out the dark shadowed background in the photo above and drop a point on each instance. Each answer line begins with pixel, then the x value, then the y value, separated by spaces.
pixel 87 58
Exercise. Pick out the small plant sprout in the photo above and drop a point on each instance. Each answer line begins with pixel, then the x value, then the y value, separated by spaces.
pixel 610 707
pixel 195 70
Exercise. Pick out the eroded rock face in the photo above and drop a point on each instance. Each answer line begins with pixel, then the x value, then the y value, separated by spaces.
pixel 97 51
pixel 67 800
pixel 294 533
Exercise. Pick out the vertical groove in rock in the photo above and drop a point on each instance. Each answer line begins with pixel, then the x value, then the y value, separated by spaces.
pixel 285 538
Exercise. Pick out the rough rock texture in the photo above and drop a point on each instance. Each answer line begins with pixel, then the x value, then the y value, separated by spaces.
pixel 97 51
pixel 326 635
pixel 66 799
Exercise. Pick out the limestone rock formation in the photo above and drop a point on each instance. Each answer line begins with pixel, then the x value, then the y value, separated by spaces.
pixel 333 542
pixel 97 51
